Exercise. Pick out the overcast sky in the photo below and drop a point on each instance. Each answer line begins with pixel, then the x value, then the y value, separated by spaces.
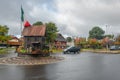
pixel 72 17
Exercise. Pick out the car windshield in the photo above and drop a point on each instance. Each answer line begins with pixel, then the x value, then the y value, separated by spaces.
pixel 69 47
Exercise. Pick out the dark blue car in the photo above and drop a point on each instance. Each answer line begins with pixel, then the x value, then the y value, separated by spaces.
pixel 71 49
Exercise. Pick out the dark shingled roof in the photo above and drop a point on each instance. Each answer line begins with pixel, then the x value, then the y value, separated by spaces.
pixel 60 38
pixel 34 31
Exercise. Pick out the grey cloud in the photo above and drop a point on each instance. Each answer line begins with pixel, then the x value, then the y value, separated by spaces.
pixel 73 17
pixel 92 13
pixel 10 12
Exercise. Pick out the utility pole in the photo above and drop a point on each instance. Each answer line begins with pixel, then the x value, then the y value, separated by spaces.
pixel 106 38
pixel 106 29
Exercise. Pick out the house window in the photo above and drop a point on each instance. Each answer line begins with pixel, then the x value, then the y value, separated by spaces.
pixel 43 39
pixel 36 39
pixel 28 39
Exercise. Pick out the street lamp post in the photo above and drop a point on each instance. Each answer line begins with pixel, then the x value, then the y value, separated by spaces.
pixel 106 29
pixel 107 40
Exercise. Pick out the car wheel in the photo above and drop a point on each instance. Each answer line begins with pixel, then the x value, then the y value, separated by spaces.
pixel 64 52
pixel 78 52
pixel 74 52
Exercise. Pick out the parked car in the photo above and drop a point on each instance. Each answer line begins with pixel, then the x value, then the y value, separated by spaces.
pixel 71 49
pixel 114 47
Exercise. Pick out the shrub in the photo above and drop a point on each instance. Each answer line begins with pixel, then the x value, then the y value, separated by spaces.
pixel 23 51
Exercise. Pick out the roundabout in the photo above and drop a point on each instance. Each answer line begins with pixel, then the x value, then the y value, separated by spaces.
pixel 30 60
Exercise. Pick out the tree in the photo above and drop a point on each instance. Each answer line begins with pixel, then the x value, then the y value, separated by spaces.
pixel 69 39
pixel 3 33
pixel 3 30
pixel 117 40
pixel 94 43
pixel 96 32
pixel 38 23
pixel 51 32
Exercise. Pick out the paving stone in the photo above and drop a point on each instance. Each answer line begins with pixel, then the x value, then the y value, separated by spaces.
pixel 30 60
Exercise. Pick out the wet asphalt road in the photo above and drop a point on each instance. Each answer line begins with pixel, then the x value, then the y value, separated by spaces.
pixel 83 66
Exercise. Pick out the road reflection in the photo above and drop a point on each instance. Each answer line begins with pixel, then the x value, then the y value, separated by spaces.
pixel 83 66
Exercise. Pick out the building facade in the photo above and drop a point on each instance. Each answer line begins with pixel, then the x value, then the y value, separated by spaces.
pixel 34 36
pixel 60 42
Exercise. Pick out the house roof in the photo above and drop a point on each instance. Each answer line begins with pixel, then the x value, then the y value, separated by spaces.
pixel 60 38
pixel 34 31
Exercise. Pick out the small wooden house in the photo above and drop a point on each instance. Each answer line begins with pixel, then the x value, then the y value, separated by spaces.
pixel 34 36
pixel 60 42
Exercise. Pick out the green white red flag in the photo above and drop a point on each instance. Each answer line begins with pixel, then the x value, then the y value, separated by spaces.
pixel 22 14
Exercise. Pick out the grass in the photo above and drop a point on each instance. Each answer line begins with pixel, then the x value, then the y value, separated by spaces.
pixel 102 51
pixel 5 50
pixel 56 51
pixel 90 49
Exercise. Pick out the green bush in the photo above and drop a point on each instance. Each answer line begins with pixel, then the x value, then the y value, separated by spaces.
pixel 23 51
pixel 1 48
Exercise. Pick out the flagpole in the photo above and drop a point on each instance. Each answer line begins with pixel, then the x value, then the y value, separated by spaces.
pixel 22 19
pixel 21 24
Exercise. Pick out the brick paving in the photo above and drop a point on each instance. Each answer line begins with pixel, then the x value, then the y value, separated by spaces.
pixel 30 60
